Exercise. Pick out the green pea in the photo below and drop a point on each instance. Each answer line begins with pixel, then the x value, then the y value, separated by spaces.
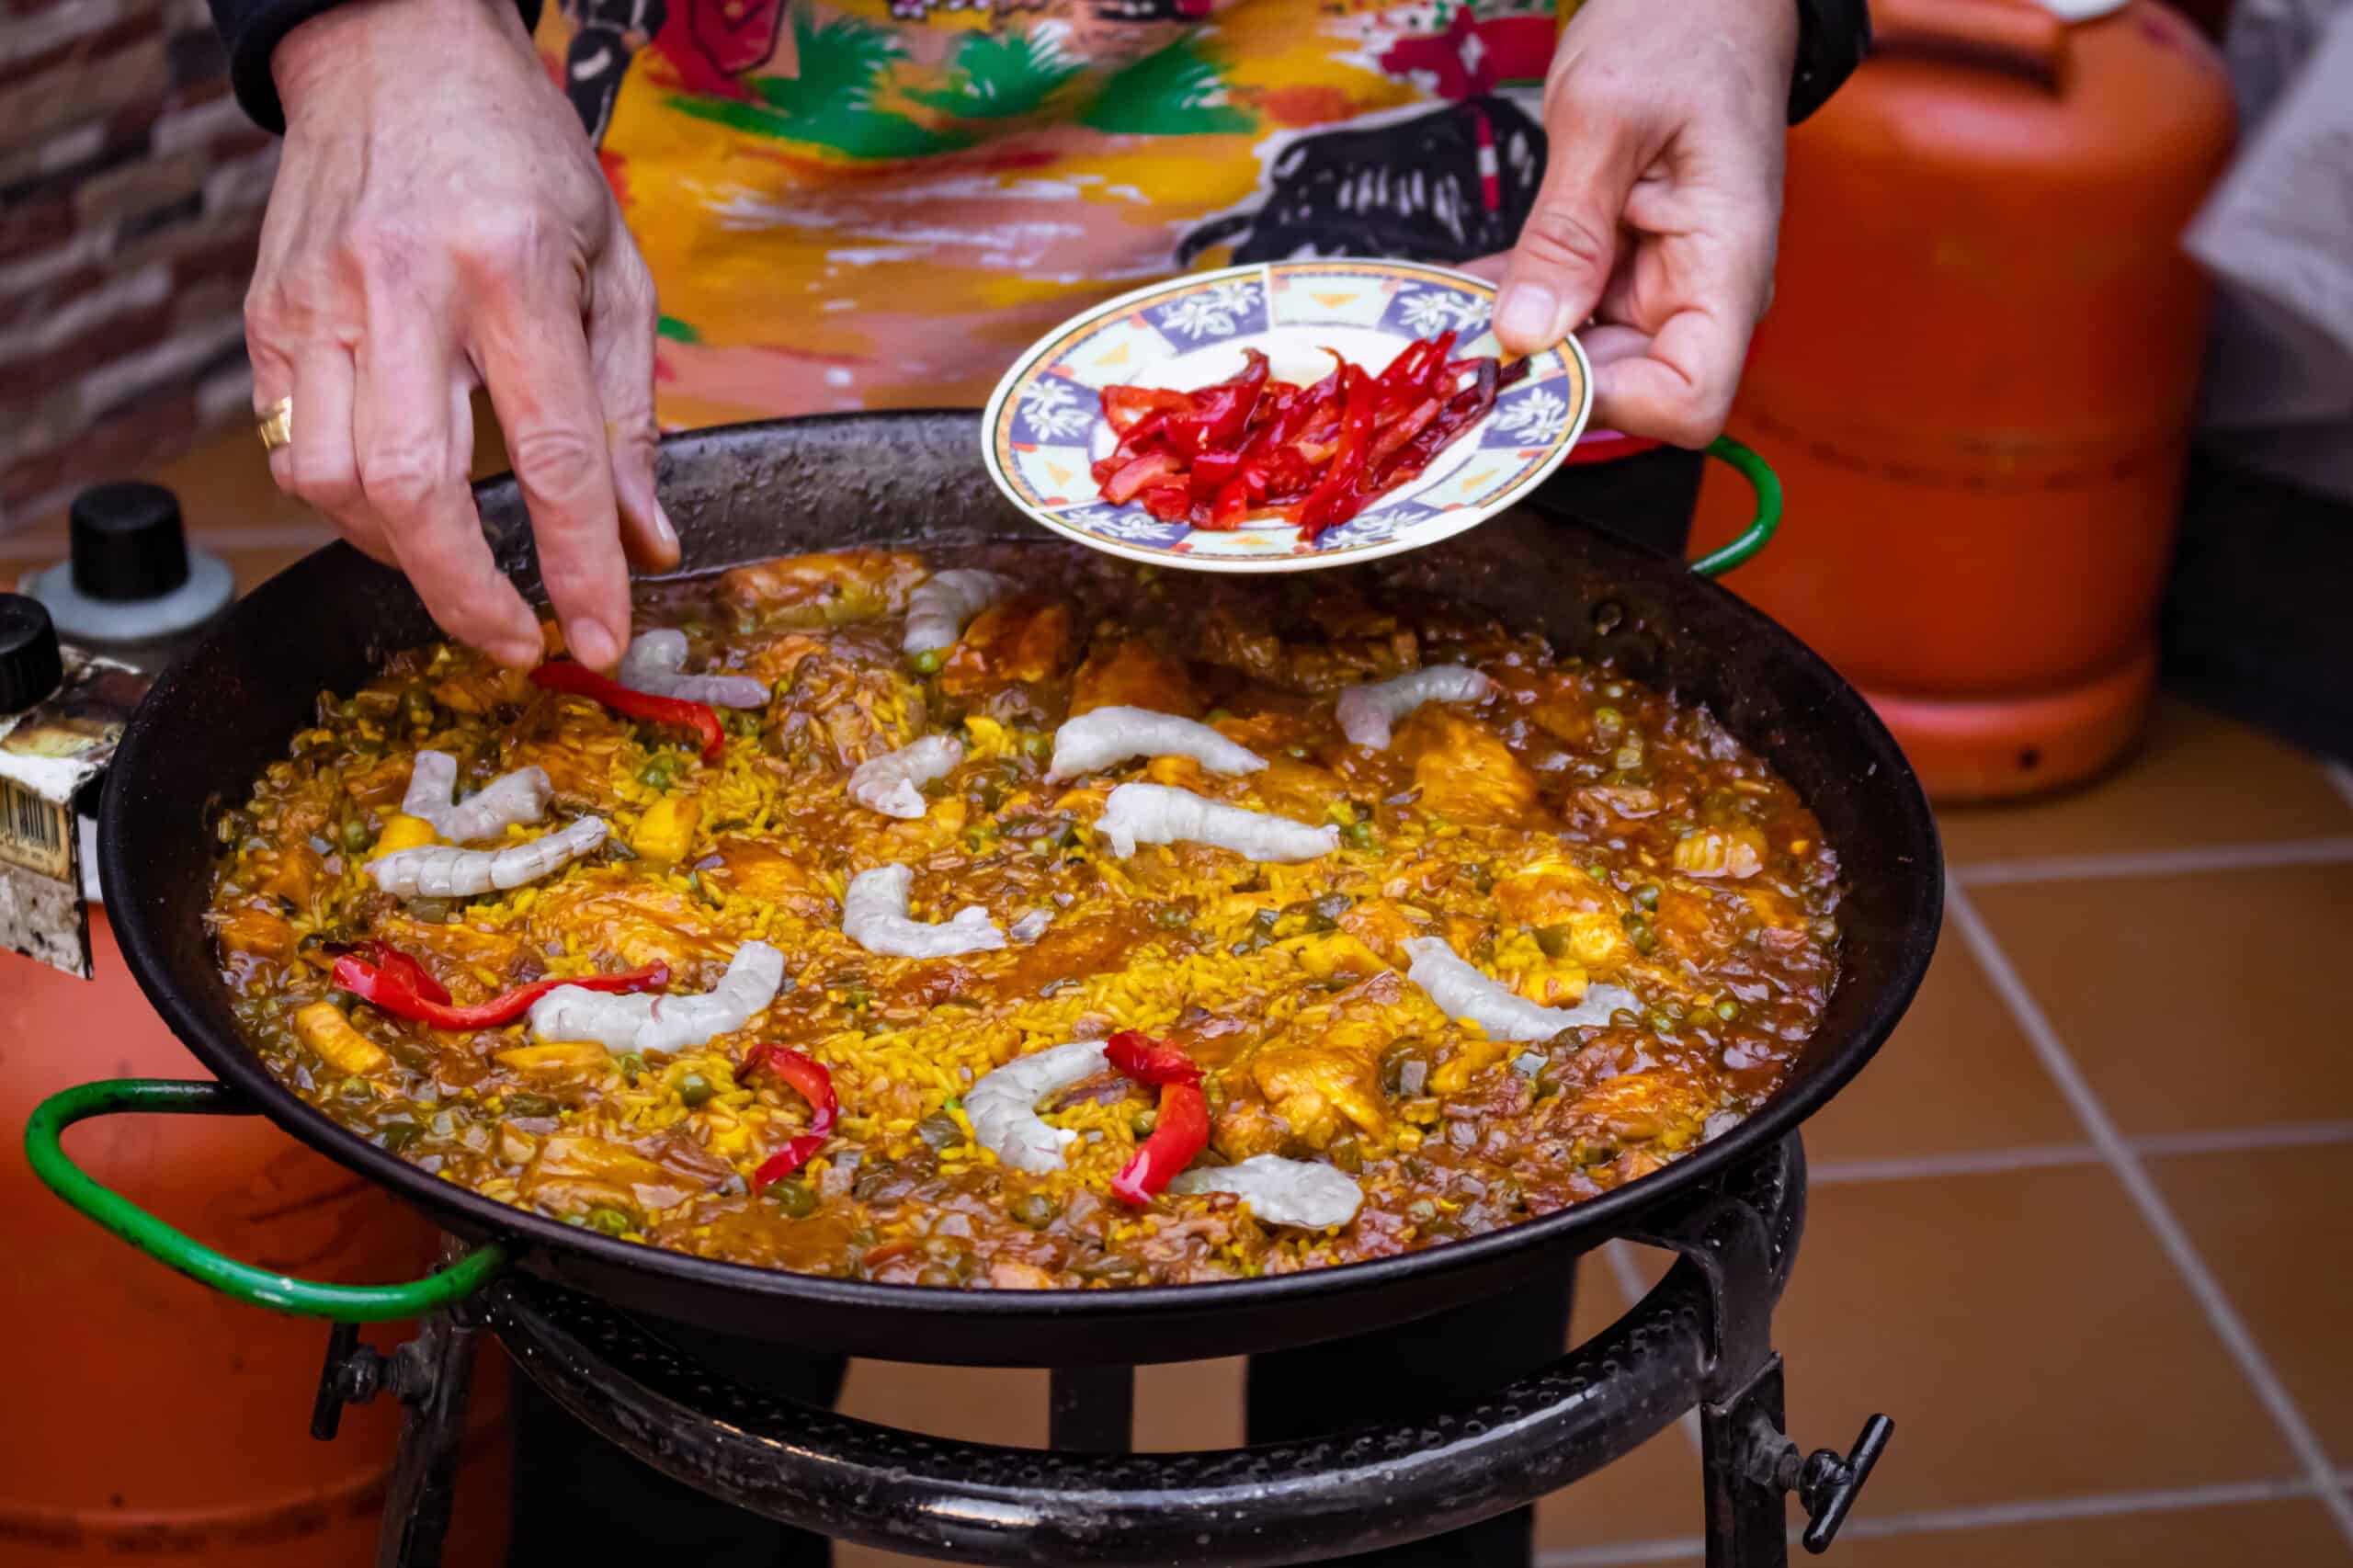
pixel 611 1222
pixel 795 1197
pixel 1647 895
pixel 1555 941
pixel 355 835
pixel 431 910
pixel 396 1136
pixel 1728 1009
pixel 1607 719
pixel 1035 743
pixel 1034 1210
pixel 858 998
pixel 928 662
pixel 1359 834
pixel 1628 758
pixel 416 707
pixel 631 1065
pixel 1644 938
pixel 938 1276
pixel 1143 1122
pixel 695 1090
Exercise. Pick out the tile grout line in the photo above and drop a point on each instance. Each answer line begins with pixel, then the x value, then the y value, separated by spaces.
pixel 2160 862
pixel 2048 1156
pixel 2094 1506
pixel 2171 1238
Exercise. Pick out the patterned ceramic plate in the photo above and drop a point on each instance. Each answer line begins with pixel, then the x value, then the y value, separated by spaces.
pixel 1045 428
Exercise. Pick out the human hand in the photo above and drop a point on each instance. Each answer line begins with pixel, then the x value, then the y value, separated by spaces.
pixel 1659 207
pixel 438 223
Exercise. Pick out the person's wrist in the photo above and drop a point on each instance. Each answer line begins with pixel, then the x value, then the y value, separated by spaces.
pixel 322 59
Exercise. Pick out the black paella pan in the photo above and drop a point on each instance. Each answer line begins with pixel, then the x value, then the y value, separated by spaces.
pixel 752 492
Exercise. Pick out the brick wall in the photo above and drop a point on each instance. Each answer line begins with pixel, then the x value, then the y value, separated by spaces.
pixel 130 195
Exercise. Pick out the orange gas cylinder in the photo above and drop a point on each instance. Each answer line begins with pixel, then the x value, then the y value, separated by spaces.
pixel 1977 378
pixel 143 1415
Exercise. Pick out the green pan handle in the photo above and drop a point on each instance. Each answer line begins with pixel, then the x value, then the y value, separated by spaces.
pixel 255 1287
pixel 1759 532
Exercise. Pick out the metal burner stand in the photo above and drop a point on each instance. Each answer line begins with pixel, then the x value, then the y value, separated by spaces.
pixel 1703 1339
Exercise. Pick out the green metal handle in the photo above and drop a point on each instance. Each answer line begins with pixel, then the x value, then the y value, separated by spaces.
pixel 1759 532
pixel 255 1287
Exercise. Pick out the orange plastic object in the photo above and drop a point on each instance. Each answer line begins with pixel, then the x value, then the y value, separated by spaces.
pixel 1977 376
pixel 144 1416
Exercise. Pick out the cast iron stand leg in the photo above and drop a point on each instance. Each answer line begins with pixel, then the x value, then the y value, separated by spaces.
pixel 1748 1463
pixel 1091 1409
pixel 424 1467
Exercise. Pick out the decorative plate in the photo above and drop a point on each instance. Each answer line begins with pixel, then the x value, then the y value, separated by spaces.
pixel 1045 428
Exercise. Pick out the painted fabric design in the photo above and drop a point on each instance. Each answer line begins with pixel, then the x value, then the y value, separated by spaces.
pixel 879 203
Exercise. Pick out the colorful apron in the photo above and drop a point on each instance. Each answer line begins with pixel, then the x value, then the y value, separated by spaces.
pixel 879 203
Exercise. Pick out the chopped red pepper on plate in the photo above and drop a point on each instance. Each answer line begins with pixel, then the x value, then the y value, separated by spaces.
pixel 1315 455
pixel 1183 1128
pixel 812 1082
pixel 579 681
pixel 383 976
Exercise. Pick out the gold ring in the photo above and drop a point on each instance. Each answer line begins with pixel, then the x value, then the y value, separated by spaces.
pixel 277 426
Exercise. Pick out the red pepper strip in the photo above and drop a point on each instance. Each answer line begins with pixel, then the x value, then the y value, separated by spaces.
pixel 1169 503
pixel 808 1078
pixel 1148 1061
pixel 569 676
pixel 402 968
pixel 1348 461
pixel 1125 406
pixel 387 986
pixel 1512 374
pixel 1122 487
pixel 1219 411
pixel 1405 427
pixel 1211 470
pixel 1230 508
pixel 1182 1131
pixel 1465 409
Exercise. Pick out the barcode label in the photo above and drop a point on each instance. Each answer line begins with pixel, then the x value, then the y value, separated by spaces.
pixel 33 832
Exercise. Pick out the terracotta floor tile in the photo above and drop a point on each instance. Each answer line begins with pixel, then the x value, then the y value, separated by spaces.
pixel 2213 1000
pixel 1189 1404
pixel 2008 1323
pixel 1957 1075
pixel 977 1404
pixel 2196 779
pixel 2294 1534
pixel 2272 1225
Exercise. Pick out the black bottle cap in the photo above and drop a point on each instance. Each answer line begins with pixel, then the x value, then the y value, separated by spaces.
pixel 127 542
pixel 30 664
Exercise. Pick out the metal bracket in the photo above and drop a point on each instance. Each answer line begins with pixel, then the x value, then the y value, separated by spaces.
pixel 1748 1462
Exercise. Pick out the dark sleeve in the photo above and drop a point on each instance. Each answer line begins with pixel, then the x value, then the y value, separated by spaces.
pixel 251 29
pixel 1833 37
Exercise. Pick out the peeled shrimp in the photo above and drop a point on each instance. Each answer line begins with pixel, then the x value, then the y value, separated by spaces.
pixel 1366 712
pixel 874 915
pixel 943 604
pixel 1032 926
pixel 1160 813
pixel 1281 1191
pixel 892 783
pixel 641 1022
pixel 1101 736
pixel 511 798
pixel 1462 991
pixel 1002 1106
pixel 439 870
pixel 655 659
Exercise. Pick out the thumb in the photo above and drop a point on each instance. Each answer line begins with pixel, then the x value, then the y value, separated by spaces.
pixel 1566 249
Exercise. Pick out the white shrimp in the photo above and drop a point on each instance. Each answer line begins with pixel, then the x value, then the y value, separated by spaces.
pixel 1032 926
pixel 1282 1191
pixel 440 870
pixel 892 783
pixel 1462 991
pixel 1158 813
pixel 1002 1106
pixel 944 603
pixel 874 915
pixel 1366 712
pixel 655 659
pixel 1102 736
pixel 518 798
pixel 642 1022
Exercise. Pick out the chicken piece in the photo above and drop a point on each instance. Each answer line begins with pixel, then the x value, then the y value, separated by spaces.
pixel 1662 1107
pixel 574 1172
pixel 754 868
pixel 381 783
pixel 826 590
pixel 843 703
pixel 478 688
pixel 253 934
pixel 462 951
pixel 1464 770
pixel 579 757
pixel 1134 673
pixel 1550 892
pixel 293 873
pixel 325 1029
pixel 1549 981
pixel 561 1061
pixel 402 832
pixel 1233 635
pixel 1297 789
pixel 1690 927
pixel 1334 958
pixel 1024 640
pixel 630 918
pixel 1382 925
pixel 1738 852
pixel 1324 1073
